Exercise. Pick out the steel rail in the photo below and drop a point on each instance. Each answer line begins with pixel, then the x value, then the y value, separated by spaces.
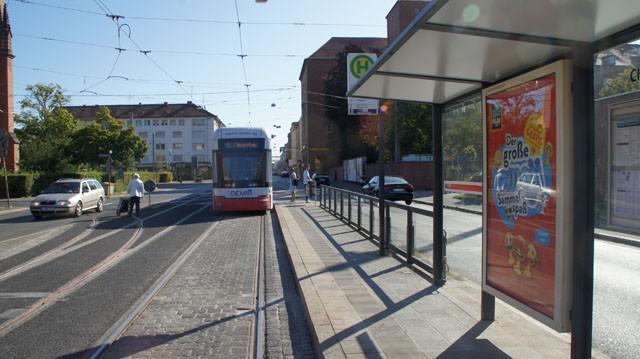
pixel 116 257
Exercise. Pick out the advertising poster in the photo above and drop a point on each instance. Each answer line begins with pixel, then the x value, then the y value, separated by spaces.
pixel 521 193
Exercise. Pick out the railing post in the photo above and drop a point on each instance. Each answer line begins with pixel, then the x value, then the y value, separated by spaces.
pixel 410 236
pixel 371 219
pixel 359 213
pixel 341 204
pixel 335 201
pixel 387 229
pixel 349 208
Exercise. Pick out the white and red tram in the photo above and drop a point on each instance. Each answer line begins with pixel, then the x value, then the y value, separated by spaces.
pixel 242 169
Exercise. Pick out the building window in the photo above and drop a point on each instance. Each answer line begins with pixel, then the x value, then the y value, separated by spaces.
pixel 197 122
pixel 177 134
pixel 147 122
pixel 160 146
pixel 197 134
pixel 181 122
pixel 172 122
pixel 164 122
pixel 198 146
pixel 177 146
pixel 143 134
pixel 160 158
pixel 138 123
pixel 156 122
pixel 129 123
pixel 177 158
pixel 160 134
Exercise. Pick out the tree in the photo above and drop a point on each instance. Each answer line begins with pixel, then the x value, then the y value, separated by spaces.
pixel 414 128
pixel 347 140
pixel 44 130
pixel 42 99
pixel 462 139
pixel 620 84
pixel 108 134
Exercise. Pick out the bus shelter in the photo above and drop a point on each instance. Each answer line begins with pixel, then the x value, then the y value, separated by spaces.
pixel 509 51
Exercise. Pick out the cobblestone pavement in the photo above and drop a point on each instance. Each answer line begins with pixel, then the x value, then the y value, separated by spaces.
pixel 207 309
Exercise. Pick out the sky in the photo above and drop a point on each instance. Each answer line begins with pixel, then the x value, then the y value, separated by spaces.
pixel 239 59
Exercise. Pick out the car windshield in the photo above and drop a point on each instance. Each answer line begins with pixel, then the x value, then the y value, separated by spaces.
pixel 63 187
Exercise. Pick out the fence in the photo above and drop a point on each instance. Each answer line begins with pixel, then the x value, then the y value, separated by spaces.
pixel 401 221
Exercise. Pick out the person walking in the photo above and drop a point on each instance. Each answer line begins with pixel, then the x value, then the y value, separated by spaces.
pixel 135 190
pixel 293 183
pixel 306 181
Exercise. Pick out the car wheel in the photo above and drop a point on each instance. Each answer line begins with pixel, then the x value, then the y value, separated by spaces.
pixel 408 201
pixel 78 210
pixel 99 206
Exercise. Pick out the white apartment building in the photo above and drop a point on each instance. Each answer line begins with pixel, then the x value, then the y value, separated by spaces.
pixel 177 134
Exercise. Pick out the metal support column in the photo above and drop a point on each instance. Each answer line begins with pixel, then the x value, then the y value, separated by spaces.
pixel 439 275
pixel 381 207
pixel 583 202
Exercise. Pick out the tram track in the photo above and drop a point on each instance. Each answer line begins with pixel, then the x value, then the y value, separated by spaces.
pixel 123 252
pixel 115 343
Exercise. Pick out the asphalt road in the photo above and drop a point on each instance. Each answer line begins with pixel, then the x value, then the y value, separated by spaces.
pixel 67 283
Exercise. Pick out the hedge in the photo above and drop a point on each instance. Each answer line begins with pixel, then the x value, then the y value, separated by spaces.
pixel 31 184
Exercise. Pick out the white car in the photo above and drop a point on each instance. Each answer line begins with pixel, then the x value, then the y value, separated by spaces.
pixel 68 196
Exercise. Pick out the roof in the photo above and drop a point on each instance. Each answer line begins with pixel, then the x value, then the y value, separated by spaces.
pixel 455 47
pixel 164 110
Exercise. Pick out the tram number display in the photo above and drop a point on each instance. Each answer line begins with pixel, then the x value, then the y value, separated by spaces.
pixel 241 144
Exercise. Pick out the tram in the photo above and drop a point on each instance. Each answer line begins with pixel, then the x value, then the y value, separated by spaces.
pixel 242 169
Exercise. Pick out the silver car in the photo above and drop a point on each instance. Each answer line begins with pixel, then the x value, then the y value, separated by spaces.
pixel 68 196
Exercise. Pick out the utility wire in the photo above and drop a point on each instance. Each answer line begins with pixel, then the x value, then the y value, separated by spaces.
pixel 156 51
pixel 242 55
pixel 230 22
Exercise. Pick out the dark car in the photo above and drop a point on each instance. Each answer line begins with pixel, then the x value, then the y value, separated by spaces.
pixel 395 189
pixel 322 180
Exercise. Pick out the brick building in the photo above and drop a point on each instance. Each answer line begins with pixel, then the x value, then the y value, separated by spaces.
pixel 314 130
pixel 6 91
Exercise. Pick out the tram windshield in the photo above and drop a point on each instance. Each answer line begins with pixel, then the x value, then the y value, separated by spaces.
pixel 240 164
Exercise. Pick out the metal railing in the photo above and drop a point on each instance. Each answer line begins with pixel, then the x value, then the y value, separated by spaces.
pixel 408 230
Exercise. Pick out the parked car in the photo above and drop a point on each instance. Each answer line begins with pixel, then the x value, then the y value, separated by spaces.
pixel 395 189
pixel 68 196
pixel 322 180
pixel 284 173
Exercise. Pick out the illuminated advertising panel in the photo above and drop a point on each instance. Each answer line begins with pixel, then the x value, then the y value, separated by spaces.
pixel 527 206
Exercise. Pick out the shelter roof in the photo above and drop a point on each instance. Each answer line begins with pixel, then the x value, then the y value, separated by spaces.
pixel 455 47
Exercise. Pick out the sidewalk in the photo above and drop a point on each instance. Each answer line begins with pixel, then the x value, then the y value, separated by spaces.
pixel 361 304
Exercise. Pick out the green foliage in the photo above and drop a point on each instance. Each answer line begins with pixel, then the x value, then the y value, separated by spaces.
pixel 52 141
pixel 45 144
pixel 358 135
pixel 107 134
pixel 620 84
pixel 462 139
pixel 26 184
pixel 346 141
pixel 414 128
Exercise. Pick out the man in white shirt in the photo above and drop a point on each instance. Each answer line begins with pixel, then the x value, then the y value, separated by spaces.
pixel 306 180
pixel 135 189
